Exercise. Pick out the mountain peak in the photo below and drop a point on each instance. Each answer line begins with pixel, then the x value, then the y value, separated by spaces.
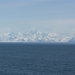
pixel 36 36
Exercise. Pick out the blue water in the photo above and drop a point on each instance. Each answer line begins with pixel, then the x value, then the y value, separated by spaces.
pixel 37 59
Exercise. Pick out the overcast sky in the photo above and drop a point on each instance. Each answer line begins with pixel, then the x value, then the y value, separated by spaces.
pixel 44 15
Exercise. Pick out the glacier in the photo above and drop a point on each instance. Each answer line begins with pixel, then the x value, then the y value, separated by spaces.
pixel 36 36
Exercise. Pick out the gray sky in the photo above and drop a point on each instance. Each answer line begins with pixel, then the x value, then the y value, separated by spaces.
pixel 44 15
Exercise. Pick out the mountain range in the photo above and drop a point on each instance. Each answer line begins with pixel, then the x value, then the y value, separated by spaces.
pixel 36 36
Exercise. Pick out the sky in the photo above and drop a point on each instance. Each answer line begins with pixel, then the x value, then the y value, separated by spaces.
pixel 44 15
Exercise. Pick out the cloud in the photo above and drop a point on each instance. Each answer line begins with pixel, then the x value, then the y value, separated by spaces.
pixel 58 22
pixel 38 14
pixel 60 25
pixel 3 30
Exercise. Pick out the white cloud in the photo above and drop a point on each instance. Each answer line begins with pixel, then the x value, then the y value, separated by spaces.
pixel 2 30
pixel 59 22
pixel 60 26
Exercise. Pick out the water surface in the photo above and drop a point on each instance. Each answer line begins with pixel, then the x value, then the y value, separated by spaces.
pixel 37 59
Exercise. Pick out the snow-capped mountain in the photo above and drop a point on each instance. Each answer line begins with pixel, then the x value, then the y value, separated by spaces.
pixel 36 36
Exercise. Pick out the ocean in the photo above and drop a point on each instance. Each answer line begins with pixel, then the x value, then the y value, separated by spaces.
pixel 37 59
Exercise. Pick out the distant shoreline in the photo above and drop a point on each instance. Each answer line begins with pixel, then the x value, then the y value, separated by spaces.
pixel 55 43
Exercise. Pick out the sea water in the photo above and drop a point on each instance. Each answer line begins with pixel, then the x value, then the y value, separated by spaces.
pixel 37 59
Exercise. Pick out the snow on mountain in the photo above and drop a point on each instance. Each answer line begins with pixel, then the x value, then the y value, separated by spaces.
pixel 36 36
